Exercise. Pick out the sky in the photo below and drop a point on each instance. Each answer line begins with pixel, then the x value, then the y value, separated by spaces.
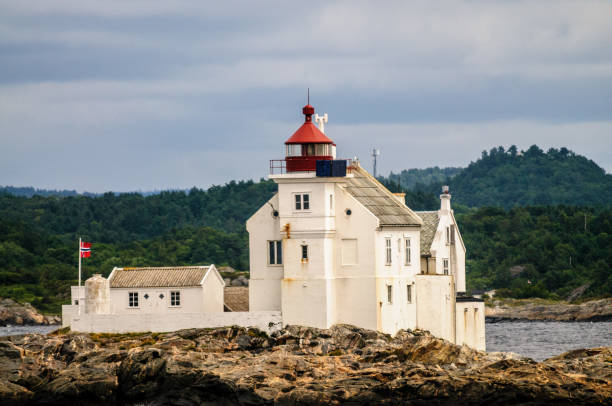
pixel 151 95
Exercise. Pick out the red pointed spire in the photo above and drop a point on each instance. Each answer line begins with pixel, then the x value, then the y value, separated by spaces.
pixel 308 133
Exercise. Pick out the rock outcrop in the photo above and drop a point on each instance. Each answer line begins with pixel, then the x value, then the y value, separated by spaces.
pixel 516 310
pixel 297 365
pixel 13 313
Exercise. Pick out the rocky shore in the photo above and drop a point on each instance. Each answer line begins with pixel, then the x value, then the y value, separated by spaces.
pixel 297 365
pixel 522 310
pixel 13 313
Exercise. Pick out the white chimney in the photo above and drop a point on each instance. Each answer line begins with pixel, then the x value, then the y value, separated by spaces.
pixel 445 199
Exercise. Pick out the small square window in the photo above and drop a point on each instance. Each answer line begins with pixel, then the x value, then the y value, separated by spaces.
pixel 175 298
pixel 445 266
pixel 302 201
pixel 304 252
pixel 133 299
pixel 389 294
pixel 409 293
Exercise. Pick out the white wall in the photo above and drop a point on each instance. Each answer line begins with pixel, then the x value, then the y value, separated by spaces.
pixel 68 312
pixel 265 279
pixel 308 287
pixel 212 292
pixel 74 294
pixel 470 325
pixel 454 253
pixel 399 314
pixel 144 322
pixel 192 300
pixel 435 297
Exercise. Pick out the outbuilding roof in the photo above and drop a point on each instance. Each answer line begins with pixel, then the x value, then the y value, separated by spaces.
pixel 236 298
pixel 375 197
pixel 428 230
pixel 157 277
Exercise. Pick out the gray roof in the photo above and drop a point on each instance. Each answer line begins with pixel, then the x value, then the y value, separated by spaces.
pixel 428 231
pixel 379 200
pixel 157 277
pixel 236 298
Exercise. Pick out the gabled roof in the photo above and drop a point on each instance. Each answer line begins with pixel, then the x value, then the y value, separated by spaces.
pixel 428 230
pixel 157 277
pixel 379 200
pixel 236 298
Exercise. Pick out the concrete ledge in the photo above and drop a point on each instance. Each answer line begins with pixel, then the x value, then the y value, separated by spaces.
pixel 268 321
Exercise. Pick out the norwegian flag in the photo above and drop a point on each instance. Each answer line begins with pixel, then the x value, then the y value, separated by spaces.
pixel 85 249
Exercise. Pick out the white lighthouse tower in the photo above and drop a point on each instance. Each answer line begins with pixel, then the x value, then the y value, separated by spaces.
pixel 336 246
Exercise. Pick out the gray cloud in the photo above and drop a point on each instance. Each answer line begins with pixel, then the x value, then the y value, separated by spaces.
pixel 156 94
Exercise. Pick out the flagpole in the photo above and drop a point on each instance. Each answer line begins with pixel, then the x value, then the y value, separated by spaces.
pixel 79 294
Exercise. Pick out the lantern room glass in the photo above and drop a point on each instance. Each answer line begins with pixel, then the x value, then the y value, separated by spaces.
pixel 294 150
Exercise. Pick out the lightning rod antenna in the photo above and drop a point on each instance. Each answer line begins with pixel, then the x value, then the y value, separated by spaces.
pixel 308 99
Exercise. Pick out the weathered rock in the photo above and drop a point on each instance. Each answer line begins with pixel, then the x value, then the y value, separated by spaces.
pixel 297 365
pixel 514 310
pixel 13 313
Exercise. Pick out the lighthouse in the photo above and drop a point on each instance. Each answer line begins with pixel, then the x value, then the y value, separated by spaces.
pixel 308 145
pixel 334 245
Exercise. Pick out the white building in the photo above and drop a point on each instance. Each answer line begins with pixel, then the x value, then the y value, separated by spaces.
pixel 335 246
pixel 155 299
pixel 332 246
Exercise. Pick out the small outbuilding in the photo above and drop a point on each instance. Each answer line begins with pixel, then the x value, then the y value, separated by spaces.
pixel 150 290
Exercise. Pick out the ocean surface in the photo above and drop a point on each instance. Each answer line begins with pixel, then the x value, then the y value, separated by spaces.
pixel 544 339
pixel 537 339
pixel 15 330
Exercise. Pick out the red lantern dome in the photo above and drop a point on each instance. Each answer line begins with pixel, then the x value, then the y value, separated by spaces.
pixel 308 145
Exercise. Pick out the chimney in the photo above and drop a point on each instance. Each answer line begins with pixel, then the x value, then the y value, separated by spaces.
pixel 445 199
pixel 401 197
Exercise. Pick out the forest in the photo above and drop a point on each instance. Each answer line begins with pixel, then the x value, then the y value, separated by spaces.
pixel 515 244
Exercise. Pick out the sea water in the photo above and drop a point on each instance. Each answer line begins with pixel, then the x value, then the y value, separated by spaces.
pixel 544 339
pixel 537 339
pixel 16 330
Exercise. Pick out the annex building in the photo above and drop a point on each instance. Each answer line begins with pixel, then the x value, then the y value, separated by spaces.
pixel 333 245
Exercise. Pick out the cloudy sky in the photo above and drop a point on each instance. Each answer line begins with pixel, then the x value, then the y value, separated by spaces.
pixel 144 95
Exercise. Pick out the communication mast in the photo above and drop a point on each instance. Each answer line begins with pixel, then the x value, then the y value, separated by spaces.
pixel 375 153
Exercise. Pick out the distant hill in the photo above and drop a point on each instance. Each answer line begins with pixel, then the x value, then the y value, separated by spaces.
pixel 29 191
pixel 409 178
pixel 512 178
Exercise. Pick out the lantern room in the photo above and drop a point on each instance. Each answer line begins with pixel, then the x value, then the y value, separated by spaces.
pixel 308 145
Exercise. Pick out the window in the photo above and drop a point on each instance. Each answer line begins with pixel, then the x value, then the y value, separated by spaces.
pixel 294 150
pixel 302 201
pixel 304 252
pixel 309 149
pixel 388 251
pixel 331 204
pixel 409 293
pixel 389 294
pixel 133 299
pixel 275 252
pixel 445 266
pixel 322 150
pixel 408 253
pixel 448 235
pixel 452 234
pixel 175 298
